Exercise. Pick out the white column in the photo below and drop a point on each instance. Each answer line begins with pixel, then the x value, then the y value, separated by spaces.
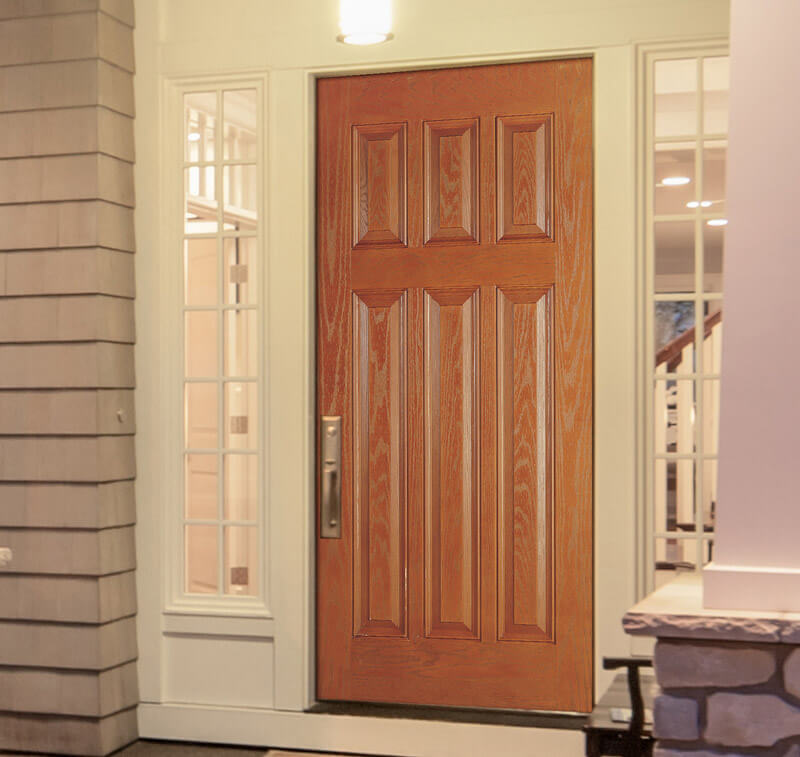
pixel 757 551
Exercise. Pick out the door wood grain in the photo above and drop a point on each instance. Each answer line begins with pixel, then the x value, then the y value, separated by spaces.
pixel 454 338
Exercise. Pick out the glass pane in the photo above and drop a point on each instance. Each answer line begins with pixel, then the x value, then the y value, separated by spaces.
pixel 201 559
pixel 241 560
pixel 200 271
pixel 200 116
pixel 674 174
pixel 674 485
pixel 674 416
pixel 715 154
pixel 239 108
pixel 201 415
pixel 674 256
pixel 241 282
pixel 675 106
pixel 716 84
pixel 241 487
pixel 674 556
pixel 709 494
pixel 241 415
pixel 201 344
pixel 674 336
pixel 711 416
pixel 708 551
pixel 200 209
pixel 713 252
pixel 241 202
pixel 241 343
pixel 201 486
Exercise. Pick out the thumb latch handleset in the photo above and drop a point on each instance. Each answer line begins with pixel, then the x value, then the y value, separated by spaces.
pixel 330 450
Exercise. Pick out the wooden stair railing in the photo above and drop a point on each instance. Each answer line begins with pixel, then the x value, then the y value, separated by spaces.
pixel 672 352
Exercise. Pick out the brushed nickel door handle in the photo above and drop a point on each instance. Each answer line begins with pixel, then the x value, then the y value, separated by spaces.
pixel 330 511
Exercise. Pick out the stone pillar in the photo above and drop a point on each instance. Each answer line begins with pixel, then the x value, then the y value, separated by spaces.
pixel 67 596
pixel 730 680
pixel 756 556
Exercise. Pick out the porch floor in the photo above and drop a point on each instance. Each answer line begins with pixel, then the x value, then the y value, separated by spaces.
pixel 175 749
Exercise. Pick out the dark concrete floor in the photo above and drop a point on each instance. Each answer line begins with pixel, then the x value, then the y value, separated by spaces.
pixel 174 749
pixel 179 749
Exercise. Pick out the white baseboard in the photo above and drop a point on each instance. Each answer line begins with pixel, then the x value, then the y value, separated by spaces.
pixel 733 587
pixel 355 734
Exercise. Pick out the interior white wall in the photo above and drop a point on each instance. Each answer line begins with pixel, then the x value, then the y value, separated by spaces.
pixel 292 41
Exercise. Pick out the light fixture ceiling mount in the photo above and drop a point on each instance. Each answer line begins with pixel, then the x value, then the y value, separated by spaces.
pixel 365 22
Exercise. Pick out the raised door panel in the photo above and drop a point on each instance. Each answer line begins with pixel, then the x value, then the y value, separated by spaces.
pixel 451 180
pixel 525 489
pixel 451 392
pixel 379 185
pixel 524 177
pixel 379 464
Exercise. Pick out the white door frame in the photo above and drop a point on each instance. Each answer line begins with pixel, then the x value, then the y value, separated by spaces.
pixel 615 261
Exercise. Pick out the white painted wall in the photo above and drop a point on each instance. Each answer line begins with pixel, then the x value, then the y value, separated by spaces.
pixel 757 562
pixel 293 41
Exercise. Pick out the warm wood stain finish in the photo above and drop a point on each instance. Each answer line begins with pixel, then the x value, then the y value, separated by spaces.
pixel 524 177
pixel 455 340
pixel 452 462
pixel 379 369
pixel 451 181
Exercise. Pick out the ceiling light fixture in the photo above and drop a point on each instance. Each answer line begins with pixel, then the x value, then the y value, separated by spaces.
pixel 365 22
pixel 702 204
pixel 718 222
pixel 706 204
pixel 693 204
pixel 675 181
pixel 194 137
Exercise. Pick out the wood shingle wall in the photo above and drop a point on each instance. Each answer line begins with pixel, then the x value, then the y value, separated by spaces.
pixel 67 600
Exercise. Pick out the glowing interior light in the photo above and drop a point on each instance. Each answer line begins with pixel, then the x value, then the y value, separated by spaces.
pixel 365 22
pixel 675 181
pixel 706 204
pixel 718 222
pixel 194 137
pixel 693 204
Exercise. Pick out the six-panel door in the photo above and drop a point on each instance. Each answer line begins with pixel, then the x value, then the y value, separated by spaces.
pixel 455 341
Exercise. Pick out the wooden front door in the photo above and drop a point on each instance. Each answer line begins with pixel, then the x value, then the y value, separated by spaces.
pixel 454 259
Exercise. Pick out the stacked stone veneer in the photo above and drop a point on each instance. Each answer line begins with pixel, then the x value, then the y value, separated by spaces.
pixel 730 680
pixel 727 698
pixel 67 600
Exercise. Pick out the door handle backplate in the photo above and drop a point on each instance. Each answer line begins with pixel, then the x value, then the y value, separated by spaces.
pixel 330 450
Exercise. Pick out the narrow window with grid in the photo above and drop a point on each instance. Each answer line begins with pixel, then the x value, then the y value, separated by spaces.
pixel 222 456
pixel 685 216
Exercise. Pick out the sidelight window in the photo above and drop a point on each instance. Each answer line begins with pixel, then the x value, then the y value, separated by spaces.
pixel 685 109
pixel 222 517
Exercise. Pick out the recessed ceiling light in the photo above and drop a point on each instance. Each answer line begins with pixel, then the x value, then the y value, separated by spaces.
pixel 194 137
pixel 718 222
pixel 693 204
pixel 706 204
pixel 675 181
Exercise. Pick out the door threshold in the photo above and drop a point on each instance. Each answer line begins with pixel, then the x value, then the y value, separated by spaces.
pixel 569 721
